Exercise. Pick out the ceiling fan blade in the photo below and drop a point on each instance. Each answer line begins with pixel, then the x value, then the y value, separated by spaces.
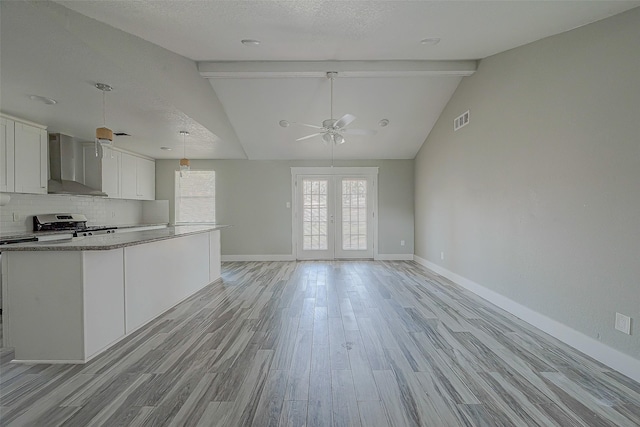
pixel 344 121
pixel 309 126
pixel 309 136
pixel 359 131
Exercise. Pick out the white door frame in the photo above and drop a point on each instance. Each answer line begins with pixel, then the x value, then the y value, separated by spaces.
pixel 368 172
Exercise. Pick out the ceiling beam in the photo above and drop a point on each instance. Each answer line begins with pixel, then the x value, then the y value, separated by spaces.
pixel 280 69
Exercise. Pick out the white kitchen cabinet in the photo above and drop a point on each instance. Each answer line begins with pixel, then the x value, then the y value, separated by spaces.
pixel 129 176
pixel 138 177
pixel 120 174
pixel 145 179
pixel 23 157
pixel 70 305
pixel 103 173
pixel 7 145
pixel 111 160
pixel 31 159
pixel 69 308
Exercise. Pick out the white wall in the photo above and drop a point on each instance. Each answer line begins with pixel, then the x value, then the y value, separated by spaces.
pixel 538 198
pixel 251 195
pixel 98 210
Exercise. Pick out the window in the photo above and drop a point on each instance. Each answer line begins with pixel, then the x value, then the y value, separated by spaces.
pixel 315 225
pixel 354 214
pixel 195 197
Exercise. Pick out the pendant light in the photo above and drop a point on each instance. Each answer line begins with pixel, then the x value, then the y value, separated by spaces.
pixel 184 162
pixel 104 135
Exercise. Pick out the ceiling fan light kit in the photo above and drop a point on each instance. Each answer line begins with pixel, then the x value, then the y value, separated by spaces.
pixel 332 130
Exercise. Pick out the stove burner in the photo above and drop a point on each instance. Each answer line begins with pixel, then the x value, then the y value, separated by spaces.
pixel 77 223
pixel 94 231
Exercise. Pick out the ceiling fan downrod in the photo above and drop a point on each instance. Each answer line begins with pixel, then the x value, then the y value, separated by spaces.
pixel 331 75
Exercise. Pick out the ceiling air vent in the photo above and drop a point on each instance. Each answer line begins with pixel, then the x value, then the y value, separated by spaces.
pixel 460 121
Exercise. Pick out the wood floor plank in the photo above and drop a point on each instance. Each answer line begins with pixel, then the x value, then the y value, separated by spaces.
pixel 373 414
pixel 371 343
pixel 393 400
pixel 337 345
pixel 364 381
pixel 298 382
pixel 320 404
pixel 269 410
pixel 294 413
pixel 345 405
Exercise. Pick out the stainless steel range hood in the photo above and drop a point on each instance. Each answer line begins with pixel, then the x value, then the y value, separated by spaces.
pixel 66 167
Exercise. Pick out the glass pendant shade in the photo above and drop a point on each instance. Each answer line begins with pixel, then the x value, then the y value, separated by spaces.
pixel 185 165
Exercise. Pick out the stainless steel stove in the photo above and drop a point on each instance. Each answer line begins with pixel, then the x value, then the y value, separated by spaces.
pixel 75 223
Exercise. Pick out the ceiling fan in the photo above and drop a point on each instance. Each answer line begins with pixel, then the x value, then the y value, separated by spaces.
pixel 332 130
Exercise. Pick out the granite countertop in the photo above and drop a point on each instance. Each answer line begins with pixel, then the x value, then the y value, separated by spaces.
pixel 112 241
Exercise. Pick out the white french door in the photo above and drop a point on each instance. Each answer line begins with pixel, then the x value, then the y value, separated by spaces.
pixel 334 215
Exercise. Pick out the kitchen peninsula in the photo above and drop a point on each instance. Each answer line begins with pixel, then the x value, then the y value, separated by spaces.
pixel 67 301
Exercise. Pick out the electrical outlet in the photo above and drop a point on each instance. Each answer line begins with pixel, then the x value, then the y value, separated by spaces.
pixel 401 242
pixel 17 217
pixel 288 205
pixel 623 323
pixel 442 256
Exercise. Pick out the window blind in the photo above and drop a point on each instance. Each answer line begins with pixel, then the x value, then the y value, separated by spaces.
pixel 195 197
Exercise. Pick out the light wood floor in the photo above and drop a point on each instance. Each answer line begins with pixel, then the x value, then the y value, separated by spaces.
pixel 326 343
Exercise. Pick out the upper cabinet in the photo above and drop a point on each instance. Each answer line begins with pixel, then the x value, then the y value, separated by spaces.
pixel 103 173
pixel 6 155
pixel 120 174
pixel 138 177
pixel 23 157
pixel 145 179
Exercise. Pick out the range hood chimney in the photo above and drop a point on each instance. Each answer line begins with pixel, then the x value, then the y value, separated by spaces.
pixel 65 166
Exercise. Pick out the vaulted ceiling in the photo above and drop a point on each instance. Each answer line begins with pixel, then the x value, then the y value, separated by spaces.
pixel 180 65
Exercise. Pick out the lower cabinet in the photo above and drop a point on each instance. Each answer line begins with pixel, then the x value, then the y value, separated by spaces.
pixel 69 306
pixel 63 305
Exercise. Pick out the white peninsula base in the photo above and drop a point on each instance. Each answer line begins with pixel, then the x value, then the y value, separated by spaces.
pixel 68 306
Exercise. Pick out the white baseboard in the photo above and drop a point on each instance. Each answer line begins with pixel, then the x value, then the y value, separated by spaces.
pixel 258 258
pixel 380 257
pixel 611 357
pixel 394 257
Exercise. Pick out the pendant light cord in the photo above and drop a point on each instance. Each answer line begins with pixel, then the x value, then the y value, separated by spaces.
pixel 104 108
pixel 332 143
pixel 332 99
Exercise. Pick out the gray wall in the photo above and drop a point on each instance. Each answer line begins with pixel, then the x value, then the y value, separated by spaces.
pixel 538 198
pixel 251 195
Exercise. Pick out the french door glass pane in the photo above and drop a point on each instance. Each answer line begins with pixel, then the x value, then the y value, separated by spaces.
pixel 354 214
pixel 314 214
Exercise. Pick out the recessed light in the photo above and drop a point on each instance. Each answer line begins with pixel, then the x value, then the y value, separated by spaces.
pixel 48 101
pixel 250 42
pixel 166 148
pixel 384 122
pixel 284 123
pixel 430 41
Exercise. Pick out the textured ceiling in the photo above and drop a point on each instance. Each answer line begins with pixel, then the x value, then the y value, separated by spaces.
pixel 146 49
pixel 343 30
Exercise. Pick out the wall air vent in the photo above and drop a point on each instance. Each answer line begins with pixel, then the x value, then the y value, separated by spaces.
pixel 461 120
pixel 121 134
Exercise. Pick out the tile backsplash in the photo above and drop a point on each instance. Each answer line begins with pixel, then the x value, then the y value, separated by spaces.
pixel 17 216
